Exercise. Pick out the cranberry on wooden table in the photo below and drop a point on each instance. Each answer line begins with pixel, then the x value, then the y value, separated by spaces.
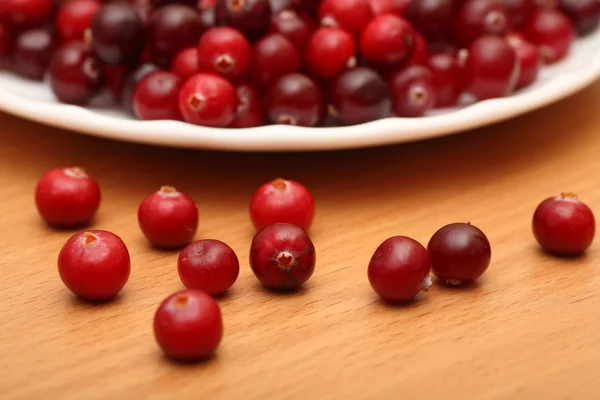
pixel 208 100
pixel 157 97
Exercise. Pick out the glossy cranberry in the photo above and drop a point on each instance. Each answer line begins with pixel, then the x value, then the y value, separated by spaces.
pixel 188 326
pixel 208 100
pixel 359 95
pixel 130 80
pixel 25 14
pixel 552 32
pixel 294 99
pixel 250 110
pixel 350 15
pixel 298 30
pixel 208 265
pixel 75 17
pixel 330 52
pixel 186 63
pixel 225 51
pixel 396 7
pixel 460 253
pixel 282 256
pixel 387 42
pixel 5 46
pixel 156 97
pixel 67 197
pixel 32 53
pixel 413 91
pixel 399 269
pixel 448 78
pixel 491 68
pixel 118 34
pixel 272 57
pixel 528 57
pixel 252 17
pixel 563 225
pixel 518 10
pixel 476 18
pixel 585 14
pixel 433 18
pixel 421 52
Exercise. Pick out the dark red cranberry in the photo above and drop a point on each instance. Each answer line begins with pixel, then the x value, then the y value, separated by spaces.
pixel 518 10
pixel 160 3
pixel 278 6
pixel 528 57
pixel 118 34
pixel 433 18
pixel 585 14
pixel 208 265
pixel 251 17
pixel 413 91
pixel 25 14
pixel 5 46
pixel 350 15
pixel 186 63
pixel 396 7
pixel 476 18
pixel 113 76
pixel 67 197
pixel 208 13
pixel 329 53
pixel 360 95
pixel 225 51
pixel 250 110
pixel 387 42
pixel 130 80
pixel 421 53
pixel 552 32
pixel 491 68
pixel 460 253
pixel 75 17
pixel 399 269
pixel 209 100
pixel 294 99
pixel 156 97
pixel 448 78
pixel 563 225
pixel 273 56
pixel 32 53
pixel 282 256
pixel 297 29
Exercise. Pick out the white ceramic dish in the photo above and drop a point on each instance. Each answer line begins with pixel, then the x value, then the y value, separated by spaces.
pixel 34 101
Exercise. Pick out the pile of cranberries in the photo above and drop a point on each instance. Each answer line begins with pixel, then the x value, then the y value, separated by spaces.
pixel 245 63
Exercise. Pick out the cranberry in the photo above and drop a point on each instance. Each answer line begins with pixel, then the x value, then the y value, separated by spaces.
pixel 563 225
pixel 118 34
pixel 208 14
pixel 396 7
pixel 433 18
pixel 330 52
pixel 476 18
pixel 156 4
pixel 25 14
pixel 528 58
pixel 585 14
pixel 546 4
pixel 518 10
pixel 32 54
pixel 282 256
pixel 252 17
pixel 552 32
pixel 460 253
pixel 350 15
pixel 209 100
pixel 168 218
pixel 208 265
pixel 225 51
pixel 5 46
pixel 273 56
pixel 188 325
pixel 421 52
pixel 294 99
pixel 399 269
pixel 113 76
pixel 75 17
pixel 130 80
pixel 186 63
pixel 296 29
pixel 413 91
pixel 249 111
pixel 387 42
pixel 285 5
pixel 491 68
pixel 156 97
pixel 448 78
pixel 360 95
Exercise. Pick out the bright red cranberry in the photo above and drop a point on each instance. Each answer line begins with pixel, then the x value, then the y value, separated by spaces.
pixel 476 18
pixel 118 34
pixel 188 326
pixel 460 253
pixel 297 29
pixel 186 63
pixel 585 14
pixel 282 256
pixel 130 79
pixel 252 17
pixel 273 56
pixel 25 14
pixel 250 110
pixel 564 225
pixel 157 97
pixel 67 197
pixel 294 99
pixel 94 265
pixel 225 51
pixel 528 57
pixel 421 52
pixel 491 68
pixel 399 269
pixel 168 218
pixel 413 91
pixel 329 53
pixel 350 15
pixel 396 7
pixel 75 17
pixel 387 42
pixel 5 46
pixel 552 32
pixel 433 18
pixel 359 95
pixel 208 100
pixel 32 53
pixel 518 10
pixel 208 265
pixel 448 78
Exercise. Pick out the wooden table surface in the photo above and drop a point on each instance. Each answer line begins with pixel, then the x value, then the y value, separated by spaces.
pixel 528 330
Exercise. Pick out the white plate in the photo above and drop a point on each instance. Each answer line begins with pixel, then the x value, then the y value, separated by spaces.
pixel 34 101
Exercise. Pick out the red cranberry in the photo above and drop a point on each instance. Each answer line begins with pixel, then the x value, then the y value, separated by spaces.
pixel 298 30
pixel 413 91
pixel 156 4
pixel 546 4
pixel 399 269
pixel 208 265
pixel 476 18
pixel 5 46
pixel 209 100
pixel 518 10
pixel 433 18
pixel 225 51
pixel 117 34
pixel 32 54
pixel 188 326
pixel 396 7
pixel 67 197
pixel 421 52
pixel 564 225
pixel 448 78
pixel 350 15
pixel 249 111
pixel 552 32
pixel 359 95
pixel 273 56
pixel 75 17
pixel 491 68
pixel 208 13
pixel 585 14
pixel 330 52
pixel 387 42
pixel 130 80
pixel 25 14
pixel 460 253
pixel 294 99
pixel 113 76
pixel 282 256
pixel 252 17
pixel 528 58
pixel 186 63
pixel 168 218
pixel 94 265
pixel 156 97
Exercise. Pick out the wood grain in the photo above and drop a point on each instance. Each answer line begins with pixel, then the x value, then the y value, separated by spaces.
pixel 527 330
